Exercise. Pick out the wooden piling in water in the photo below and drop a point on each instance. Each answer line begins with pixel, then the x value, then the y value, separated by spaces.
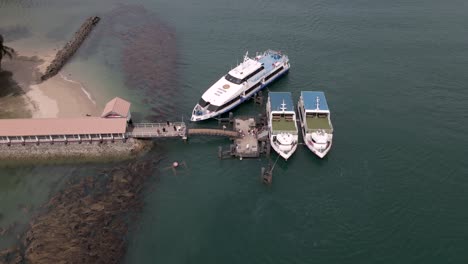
pixel 70 48
pixel 267 175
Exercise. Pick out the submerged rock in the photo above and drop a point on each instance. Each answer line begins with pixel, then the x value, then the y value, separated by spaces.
pixel 87 221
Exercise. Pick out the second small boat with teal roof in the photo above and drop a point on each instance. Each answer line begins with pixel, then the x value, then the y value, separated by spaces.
pixel 317 129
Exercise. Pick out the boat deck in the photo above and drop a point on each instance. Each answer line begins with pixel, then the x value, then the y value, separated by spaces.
pixel 283 125
pixel 314 123
pixel 270 59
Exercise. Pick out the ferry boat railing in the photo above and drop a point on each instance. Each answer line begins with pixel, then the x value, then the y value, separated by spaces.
pixel 294 132
pixel 327 130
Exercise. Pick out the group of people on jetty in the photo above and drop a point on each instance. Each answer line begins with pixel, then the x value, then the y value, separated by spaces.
pixel 251 132
pixel 169 126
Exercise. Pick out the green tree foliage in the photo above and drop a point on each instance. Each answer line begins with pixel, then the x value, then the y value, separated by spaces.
pixel 5 51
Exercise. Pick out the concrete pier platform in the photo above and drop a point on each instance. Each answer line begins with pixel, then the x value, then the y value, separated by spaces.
pixel 246 146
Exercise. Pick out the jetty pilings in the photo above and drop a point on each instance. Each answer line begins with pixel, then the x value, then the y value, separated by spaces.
pixel 70 48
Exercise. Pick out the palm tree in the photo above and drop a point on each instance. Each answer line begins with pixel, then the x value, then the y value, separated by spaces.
pixel 4 50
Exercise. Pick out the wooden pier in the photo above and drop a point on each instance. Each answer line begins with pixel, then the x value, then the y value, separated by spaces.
pixel 175 129
pixel 115 124
pixel 213 132
pixel 251 141
pixel 247 145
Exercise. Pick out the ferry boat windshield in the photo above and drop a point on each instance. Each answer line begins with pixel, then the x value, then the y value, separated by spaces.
pixel 233 79
pixel 213 108
pixel 202 102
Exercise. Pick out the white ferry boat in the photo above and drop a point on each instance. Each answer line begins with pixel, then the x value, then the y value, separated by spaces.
pixel 317 129
pixel 240 84
pixel 282 123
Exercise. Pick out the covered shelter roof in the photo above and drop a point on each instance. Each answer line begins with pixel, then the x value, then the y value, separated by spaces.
pixel 314 100
pixel 278 98
pixel 116 106
pixel 62 126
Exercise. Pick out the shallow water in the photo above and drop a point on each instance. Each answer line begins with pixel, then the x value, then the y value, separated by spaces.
pixel 391 190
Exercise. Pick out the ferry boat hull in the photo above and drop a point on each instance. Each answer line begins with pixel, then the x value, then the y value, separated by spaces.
pixel 240 101
pixel 244 91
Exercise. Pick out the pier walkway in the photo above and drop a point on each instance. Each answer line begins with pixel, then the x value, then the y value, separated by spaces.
pixel 157 130
pixel 174 129
pixel 213 132
pixel 115 124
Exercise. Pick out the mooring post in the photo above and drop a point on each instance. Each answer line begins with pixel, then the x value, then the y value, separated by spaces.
pixel 267 175
pixel 258 98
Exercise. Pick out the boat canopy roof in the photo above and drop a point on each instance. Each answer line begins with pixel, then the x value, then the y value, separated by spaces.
pixel 315 101
pixel 280 100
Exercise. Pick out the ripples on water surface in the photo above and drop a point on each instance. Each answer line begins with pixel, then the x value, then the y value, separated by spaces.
pixel 393 188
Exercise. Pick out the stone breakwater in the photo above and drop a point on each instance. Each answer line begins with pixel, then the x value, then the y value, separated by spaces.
pixel 74 151
pixel 70 48
pixel 86 222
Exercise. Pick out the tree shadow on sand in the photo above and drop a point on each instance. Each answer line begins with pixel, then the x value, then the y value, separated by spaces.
pixel 8 86
pixel 13 102
pixel 15 80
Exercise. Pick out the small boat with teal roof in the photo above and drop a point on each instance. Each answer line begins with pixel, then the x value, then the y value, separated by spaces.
pixel 282 123
pixel 317 129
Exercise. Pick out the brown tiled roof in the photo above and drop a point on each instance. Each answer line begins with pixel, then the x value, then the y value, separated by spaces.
pixel 116 106
pixel 62 126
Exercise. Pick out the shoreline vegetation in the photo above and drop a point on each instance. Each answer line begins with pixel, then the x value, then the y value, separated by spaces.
pixel 87 221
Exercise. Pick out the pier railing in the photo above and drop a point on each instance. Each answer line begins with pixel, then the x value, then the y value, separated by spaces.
pixel 213 132
pixel 158 125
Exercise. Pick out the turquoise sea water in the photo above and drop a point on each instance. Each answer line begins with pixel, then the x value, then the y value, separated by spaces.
pixel 392 189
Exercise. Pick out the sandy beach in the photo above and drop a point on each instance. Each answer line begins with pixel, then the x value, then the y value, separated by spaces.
pixel 25 96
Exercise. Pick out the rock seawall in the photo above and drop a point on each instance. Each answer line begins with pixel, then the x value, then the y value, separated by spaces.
pixel 70 48
pixel 74 151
